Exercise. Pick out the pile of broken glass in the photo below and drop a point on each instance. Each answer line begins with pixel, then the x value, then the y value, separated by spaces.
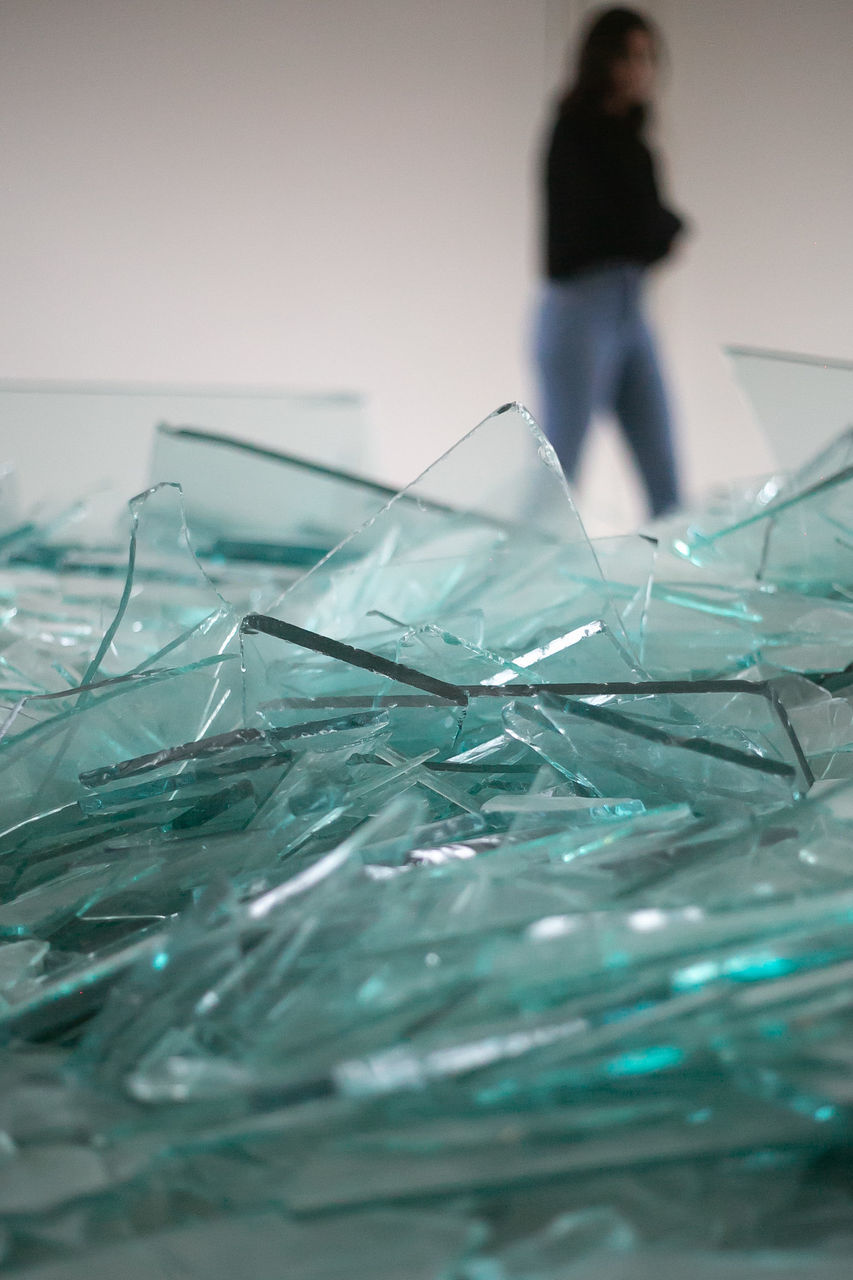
pixel 404 886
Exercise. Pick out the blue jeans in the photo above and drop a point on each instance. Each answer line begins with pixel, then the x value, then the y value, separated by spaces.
pixel 595 352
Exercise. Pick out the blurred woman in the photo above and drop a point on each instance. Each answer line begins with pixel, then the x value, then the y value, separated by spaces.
pixel 605 225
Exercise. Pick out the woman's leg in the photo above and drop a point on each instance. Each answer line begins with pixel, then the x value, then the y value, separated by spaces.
pixel 572 353
pixel 642 410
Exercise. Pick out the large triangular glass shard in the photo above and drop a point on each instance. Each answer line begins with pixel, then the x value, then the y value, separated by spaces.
pixel 451 543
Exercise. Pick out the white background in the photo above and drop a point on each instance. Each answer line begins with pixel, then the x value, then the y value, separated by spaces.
pixel 326 194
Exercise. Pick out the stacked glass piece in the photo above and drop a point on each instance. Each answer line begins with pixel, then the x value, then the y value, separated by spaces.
pixel 401 885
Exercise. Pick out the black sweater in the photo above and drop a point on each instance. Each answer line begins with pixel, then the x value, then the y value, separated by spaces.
pixel 601 197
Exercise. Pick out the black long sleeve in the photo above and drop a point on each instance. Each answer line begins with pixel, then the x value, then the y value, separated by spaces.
pixel 602 203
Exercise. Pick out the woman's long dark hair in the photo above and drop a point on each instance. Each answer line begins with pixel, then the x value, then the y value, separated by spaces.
pixel 605 39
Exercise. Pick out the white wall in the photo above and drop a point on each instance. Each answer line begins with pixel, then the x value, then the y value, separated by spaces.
pixel 306 193
pixel 340 193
